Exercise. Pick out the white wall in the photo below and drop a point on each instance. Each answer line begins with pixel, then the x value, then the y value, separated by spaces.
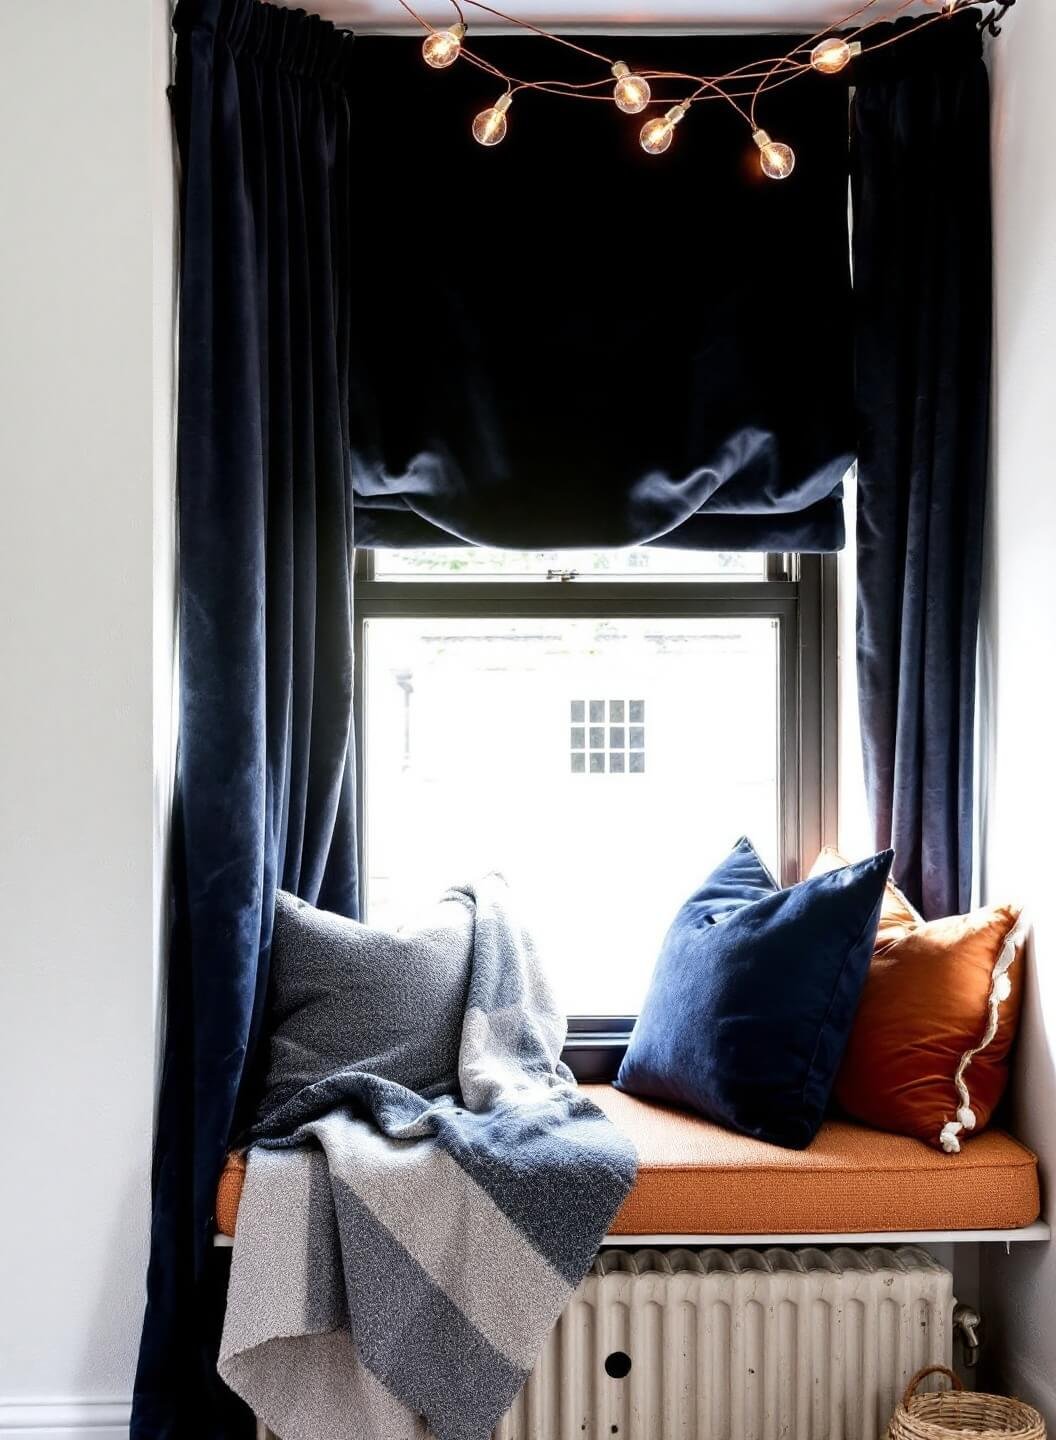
pixel 1019 646
pixel 85 519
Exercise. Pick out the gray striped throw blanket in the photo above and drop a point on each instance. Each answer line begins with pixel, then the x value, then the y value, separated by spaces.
pixel 425 1186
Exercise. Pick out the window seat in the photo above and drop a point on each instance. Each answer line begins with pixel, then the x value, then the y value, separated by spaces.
pixel 699 1182
pixel 695 1178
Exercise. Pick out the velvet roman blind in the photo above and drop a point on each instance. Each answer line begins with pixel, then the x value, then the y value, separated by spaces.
pixel 563 341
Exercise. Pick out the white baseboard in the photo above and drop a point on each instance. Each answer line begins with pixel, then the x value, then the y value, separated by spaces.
pixel 87 1419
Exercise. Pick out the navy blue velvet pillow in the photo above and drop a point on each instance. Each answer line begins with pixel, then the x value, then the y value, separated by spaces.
pixel 754 994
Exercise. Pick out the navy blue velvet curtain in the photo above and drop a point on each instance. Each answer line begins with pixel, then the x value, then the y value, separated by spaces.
pixel 265 784
pixel 922 288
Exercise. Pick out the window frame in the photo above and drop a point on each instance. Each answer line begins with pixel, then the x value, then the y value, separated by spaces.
pixel 799 592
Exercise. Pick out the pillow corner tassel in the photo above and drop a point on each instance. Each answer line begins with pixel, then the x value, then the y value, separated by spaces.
pixel 1000 990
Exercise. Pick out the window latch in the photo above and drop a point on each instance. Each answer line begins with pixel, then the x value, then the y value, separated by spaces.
pixel 563 575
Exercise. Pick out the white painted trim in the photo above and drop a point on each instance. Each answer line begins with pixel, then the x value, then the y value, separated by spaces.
pixel 1039 1231
pixel 68 1419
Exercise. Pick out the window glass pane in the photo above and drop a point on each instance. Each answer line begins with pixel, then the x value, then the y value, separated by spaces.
pixel 471 764
pixel 467 562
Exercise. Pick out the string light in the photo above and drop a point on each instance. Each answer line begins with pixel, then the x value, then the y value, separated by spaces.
pixel 632 93
pixel 657 133
pixel 441 48
pixel 741 88
pixel 778 160
pixel 490 125
pixel 832 55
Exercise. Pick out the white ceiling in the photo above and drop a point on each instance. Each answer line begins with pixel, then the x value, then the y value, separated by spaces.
pixel 601 15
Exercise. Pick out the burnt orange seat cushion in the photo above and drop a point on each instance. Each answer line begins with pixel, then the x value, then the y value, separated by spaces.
pixel 697 1179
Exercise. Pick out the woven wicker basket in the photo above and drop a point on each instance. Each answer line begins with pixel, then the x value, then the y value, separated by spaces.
pixel 960 1412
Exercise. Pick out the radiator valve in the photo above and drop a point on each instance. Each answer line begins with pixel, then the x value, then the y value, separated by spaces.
pixel 967 1323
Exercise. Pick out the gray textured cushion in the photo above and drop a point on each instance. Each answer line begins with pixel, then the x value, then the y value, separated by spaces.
pixel 346 996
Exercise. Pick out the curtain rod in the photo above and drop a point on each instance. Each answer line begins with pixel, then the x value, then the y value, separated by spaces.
pixel 989 22
pixel 992 22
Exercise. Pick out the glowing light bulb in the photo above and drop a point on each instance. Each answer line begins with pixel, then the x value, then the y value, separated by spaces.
pixel 631 93
pixel 778 161
pixel 441 48
pixel 656 133
pixel 490 125
pixel 833 54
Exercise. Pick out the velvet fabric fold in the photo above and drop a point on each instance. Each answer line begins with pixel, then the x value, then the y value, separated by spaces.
pixel 565 342
pixel 265 783
pixel 922 289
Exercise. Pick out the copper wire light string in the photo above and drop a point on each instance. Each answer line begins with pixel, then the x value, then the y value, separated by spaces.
pixel 807 45
pixel 574 90
pixel 769 75
pixel 944 14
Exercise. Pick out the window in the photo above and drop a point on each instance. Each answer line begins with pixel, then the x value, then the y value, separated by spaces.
pixel 616 737
pixel 600 727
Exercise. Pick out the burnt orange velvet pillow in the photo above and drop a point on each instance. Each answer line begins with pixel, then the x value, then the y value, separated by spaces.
pixel 928 1054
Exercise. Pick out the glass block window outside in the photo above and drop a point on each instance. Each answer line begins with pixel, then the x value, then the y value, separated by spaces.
pixel 607 737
